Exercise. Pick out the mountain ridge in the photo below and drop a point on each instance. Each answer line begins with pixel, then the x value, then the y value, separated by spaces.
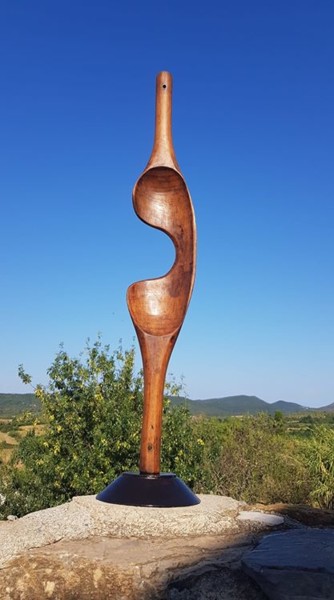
pixel 237 406
pixel 14 404
pixel 243 404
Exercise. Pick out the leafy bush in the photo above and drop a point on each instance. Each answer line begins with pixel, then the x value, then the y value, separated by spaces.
pixel 92 409
pixel 182 452
pixel 251 460
pixel 319 455
pixel 92 415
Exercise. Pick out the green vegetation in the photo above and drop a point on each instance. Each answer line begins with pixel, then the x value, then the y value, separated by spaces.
pixel 240 405
pixel 14 404
pixel 253 459
pixel 320 461
pixel 92 412
pixel 88 433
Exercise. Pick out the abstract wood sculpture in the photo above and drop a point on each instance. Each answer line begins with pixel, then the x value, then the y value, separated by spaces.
pixel 158 306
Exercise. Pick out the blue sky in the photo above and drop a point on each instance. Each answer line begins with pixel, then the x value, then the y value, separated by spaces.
pixel 253 131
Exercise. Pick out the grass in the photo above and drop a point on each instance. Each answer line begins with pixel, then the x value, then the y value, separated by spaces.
pixel 12 435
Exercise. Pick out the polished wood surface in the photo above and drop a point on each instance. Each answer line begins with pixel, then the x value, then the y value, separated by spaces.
pixel 158 306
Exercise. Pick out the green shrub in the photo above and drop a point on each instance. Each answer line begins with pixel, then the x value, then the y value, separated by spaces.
pixel 92 415
pixel 182 451
pixel 255 462
pixel 319 455
pixel 92 409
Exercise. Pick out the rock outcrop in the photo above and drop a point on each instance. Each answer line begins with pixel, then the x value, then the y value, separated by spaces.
pixel 294 565
pixel 89 550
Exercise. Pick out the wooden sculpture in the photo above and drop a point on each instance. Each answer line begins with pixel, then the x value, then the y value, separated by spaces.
pixel 158 306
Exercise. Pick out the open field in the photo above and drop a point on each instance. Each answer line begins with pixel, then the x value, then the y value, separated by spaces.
pixel 5 455
pixel 39 429
pixel 298 425
pixel 8 441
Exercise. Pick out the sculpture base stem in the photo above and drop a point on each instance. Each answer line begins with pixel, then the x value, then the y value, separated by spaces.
pixel 136 489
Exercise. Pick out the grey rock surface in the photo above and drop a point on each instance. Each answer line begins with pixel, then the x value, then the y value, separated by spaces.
pixel 86 517
pixel 90 550
pixel 193 568
pixel 294 565
pixel 260 517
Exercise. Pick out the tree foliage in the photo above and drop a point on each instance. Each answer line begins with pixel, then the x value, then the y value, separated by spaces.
pixel 252 460
pixel 92 410
pixel 92 415
pixel 319 454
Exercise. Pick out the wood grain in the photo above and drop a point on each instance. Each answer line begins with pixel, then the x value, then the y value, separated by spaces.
pixel 158 306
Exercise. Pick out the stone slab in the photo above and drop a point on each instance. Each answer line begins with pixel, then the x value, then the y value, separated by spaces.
pixel 260 517
pixel 294 565
pixel 86 517
pixel 195 568
pixel 299 513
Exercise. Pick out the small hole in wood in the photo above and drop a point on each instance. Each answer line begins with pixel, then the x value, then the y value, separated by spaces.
pixel 164 85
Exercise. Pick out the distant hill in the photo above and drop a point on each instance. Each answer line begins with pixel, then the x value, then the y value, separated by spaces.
pixel 237 405
pixel 14 404
pixel 329 408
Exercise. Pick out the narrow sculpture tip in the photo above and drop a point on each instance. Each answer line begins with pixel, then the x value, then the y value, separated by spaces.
pixel 164 78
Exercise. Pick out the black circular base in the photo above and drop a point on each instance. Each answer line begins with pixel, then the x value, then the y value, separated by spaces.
pixel 135 489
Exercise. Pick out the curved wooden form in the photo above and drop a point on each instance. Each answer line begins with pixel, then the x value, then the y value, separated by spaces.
pixel 158 306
